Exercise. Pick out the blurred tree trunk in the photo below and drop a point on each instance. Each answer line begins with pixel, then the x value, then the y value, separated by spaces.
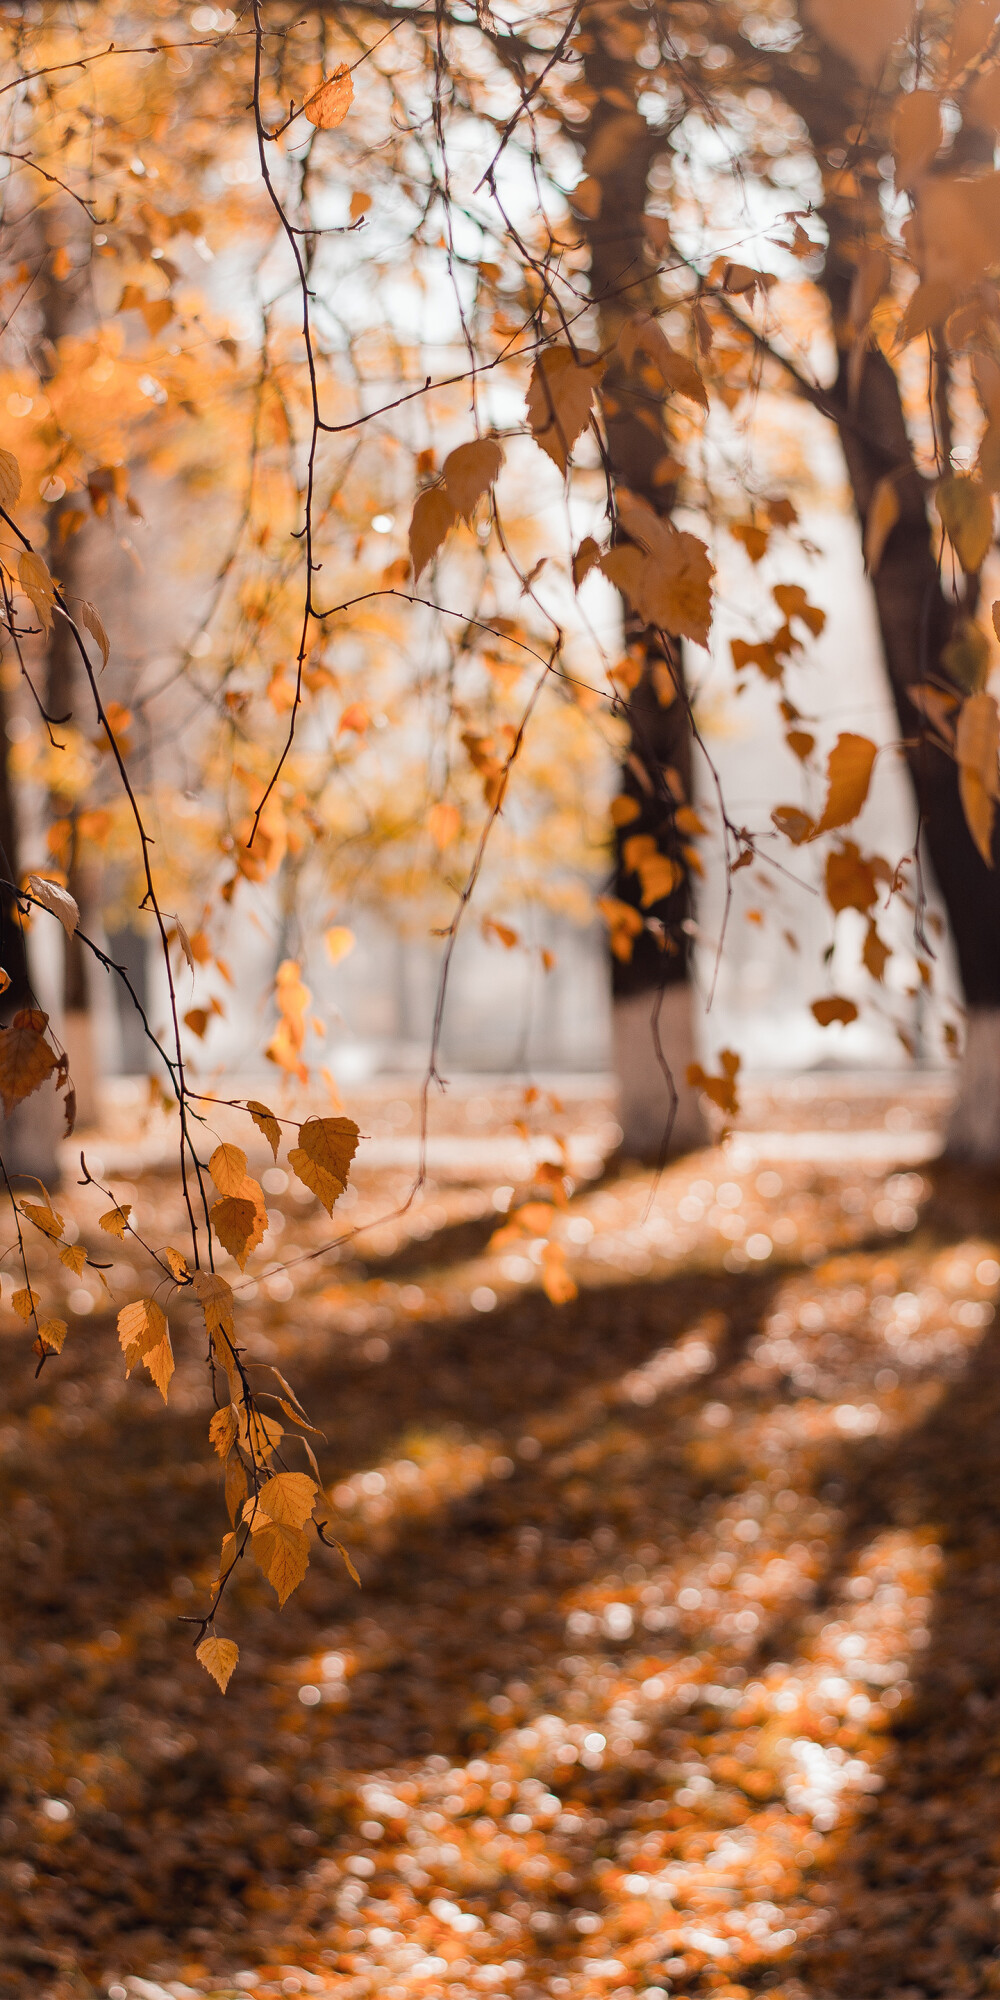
pixel 653 1000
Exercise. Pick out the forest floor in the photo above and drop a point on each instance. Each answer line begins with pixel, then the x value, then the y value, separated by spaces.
pixel 675 1668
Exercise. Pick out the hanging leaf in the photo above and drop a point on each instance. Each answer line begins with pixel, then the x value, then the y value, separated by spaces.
pixel 330 103
pixel 966 512
pixel 834 1009
pixel 91 618
pixel 917 133
pixel 645 335
pixel 875 953
pixel 45 1219
pixel 266 1123
pixel 977 738
pixel 560 399
pixel 219 1658
pixel 37 584
pixel 159 1361
pixel 25 1303
pixel 323 1156
pixel 883 513
pixel 26 1059
pixel 10 481
pixel 56 899
pixel 861 30
pixel 433 515
pixel 216 1299
pixel 667 578
pixel 289 1497
pixel 720 1090
pixel 228 1168
pixel 74 1257
pixel 235 1222
pixel 176 1265
pixel 222 1430
pixel 141 1326
pixel 469 471
pixel 282 1552
pixel 848 776
pixel 52 1335
pixel 851 882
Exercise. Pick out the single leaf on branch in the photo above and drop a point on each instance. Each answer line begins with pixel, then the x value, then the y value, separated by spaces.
pixel 91 619
pixel 222 1430
pixel 55 899
pixel 37 585
pixel 848 776
pixel 228 1167
pixel 45 1219
pixel 141 1326
pixel 977 739
pixel 26 1058
pixel 266 1123
pixel 331 101
pixel 560 399
pixel 115 1222
pixel 469 471
pixel 434 513
pixel 52 1335
pixel 74 1257
pixel 25 1303
pixel 219 1658
pixel 323 1156
pixel 234 1222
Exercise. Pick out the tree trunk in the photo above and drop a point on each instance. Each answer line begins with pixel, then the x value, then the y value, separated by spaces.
pixel 653 998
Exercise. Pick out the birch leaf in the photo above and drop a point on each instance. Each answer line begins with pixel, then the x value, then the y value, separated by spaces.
pixel 330 103
pixel 433 515
pixel 10 481
pixel 56 899
pixel 228 1168
pixel 977 737
pixel 219 1658
pixel 848 776
pixel 91 618
pixel 560 398
pixel 36 583
pixel 469 471
pixel 266 1122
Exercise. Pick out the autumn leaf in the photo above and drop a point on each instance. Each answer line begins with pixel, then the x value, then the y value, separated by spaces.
pixel 266 1123
pixel 339 941
pixel 25 1303
pixel 883 513
pixel 848 776
pixel 141 1326
pixel 323 1156
pixel 444 821
pixel 45 1219
pixel 219 1658
pixel 588 553
pixel 434 513
pixel 37 584
pixel 469 471
pixel 55 899
pixel 228 1168
pixel 26 1059
pixel 917 133
pixel 159 1361
pixel 861 30
pixel 851 883
pixel 834 1009
pixel 114 1223
pixel 234 1221
pixel 966 512
pixel 215 1297
pixel 282 1552
pixel 52 1335
pixel 91 619
pixel 330 103
pixel 236 1487
pixel 289 1498
pixel 222 1430
pixel 74 1257
pixel 176 1265
pixel 645 335
pixel 875 953
pixel 977 737
pixel 10 481
pixel 720 1090
pixel 560 398
pixel 624 925
pixel 793 602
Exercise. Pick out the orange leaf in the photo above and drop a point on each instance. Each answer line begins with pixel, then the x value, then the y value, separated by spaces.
pixel 330 103
pixel 834 1009
pixel 266 1123
pixel 848 773
pixel 469 471
pixel 433 514
pixel 560 399
pixel 219 1657
pixel 323 1156
pixel 228 1166
pixel 26 1059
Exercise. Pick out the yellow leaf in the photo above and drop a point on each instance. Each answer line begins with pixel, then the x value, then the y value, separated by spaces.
pixel 624 810
pixel 469 471
pixel 10 481
pixel 330 103
pixel 266 1122
pixel 917 133
pixel 26 1060
pixel 91 618
pixel 37 584
pixel 282 1553
pixel 219 1657
pixel 560 399
pixel 323 1156
pixel 977 736
pixel 289 1497
pixel 44 1219
pixel 159 1360
pixel 667 578
pixel 645 335
pixel 348 1564
pixel 222 1430
pixel 861 30
pixel 558 1286
pixel 834 1009
pixel 25 1303
pixel 444 821
pixel 433 514
pixel 141 1327
pixel 236 1486
pixel 228 1167
pixel 883 513
pixel 116 1220
pixel 74 1256
pixel 339 941
pixel 238 1226
pixel 624 926
pixel 52 1334
pixel 966 512
pixel 216 1299
pixel 176 1264
pixel 848 776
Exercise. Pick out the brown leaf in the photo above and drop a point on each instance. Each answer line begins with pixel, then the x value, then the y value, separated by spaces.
pixel 851 882
pixel 793 602
pixel 289 1498
pixel 875 952
pixel 557 1284
pixel 670 585
pixel 469 472
pixel 323 1156
pixel 861 30
pixel 560 399
pixel 966 512
pixel 834 1009
pixel 91 618
pixel 36 583
pixel 266 1122
pixel 917 133
pixel 228 1168
pixel 644 335
pixel 219 1658
pixel 234 1222
pixel 176 1264
pixel 883 513
pixel 795 824
pixel 434 513
pixel 977 737
pixel 26 1059
pixel 721 1090
pixel 586 556
pixel 848 776
pixel 330 103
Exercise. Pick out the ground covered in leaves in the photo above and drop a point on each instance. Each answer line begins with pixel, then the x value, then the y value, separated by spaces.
pixel 676 1665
